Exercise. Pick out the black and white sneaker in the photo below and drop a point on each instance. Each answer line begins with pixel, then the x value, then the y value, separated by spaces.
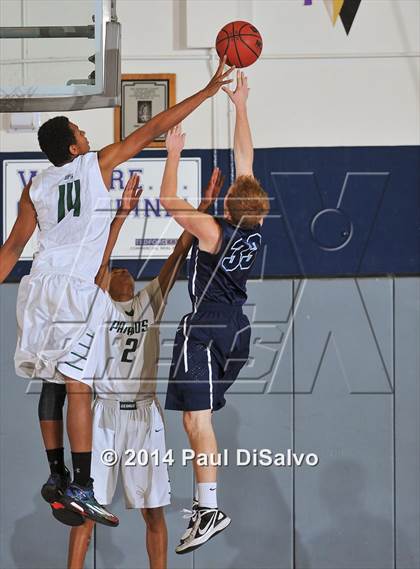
pixel 209 522
pixel 192 515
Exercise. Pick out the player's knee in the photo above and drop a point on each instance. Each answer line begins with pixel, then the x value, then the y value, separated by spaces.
pixel 77 390
pixel 196 422
pixel 154 518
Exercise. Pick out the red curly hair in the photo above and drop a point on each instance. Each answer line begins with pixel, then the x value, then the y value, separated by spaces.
pixel 247 202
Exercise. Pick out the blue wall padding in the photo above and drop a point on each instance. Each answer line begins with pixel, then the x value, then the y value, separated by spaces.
pixel 351 211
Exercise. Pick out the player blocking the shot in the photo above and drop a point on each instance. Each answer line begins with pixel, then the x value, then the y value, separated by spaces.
pixel 212 342
pixel 126 413
pixel 58 302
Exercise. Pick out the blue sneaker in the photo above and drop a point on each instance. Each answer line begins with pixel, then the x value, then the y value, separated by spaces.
pixel 81 500
pixel 55 486
pixel 52 491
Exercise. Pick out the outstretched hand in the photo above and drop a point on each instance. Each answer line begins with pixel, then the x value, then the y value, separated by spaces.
pixel 219 78
pixel 240 95
pixel 212 190
pixel 175 140
pixel 131 195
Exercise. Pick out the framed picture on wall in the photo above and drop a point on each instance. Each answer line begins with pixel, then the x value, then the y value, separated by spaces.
pixel 143 96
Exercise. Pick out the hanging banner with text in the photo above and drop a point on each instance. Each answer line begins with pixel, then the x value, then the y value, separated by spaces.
pixel 149 232
pixel 334 212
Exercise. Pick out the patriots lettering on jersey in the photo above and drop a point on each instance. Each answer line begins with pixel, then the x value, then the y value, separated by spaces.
pixel 242 253
pixel 129 328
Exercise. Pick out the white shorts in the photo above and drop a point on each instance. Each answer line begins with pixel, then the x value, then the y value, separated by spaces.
pixel 122 431
pixel 53 312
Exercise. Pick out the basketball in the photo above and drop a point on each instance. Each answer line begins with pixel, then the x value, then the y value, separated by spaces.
pixel 241 42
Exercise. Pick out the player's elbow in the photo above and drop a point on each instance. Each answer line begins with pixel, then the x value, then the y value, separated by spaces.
pixel 18 249
pixel 165 202
pixel 13 248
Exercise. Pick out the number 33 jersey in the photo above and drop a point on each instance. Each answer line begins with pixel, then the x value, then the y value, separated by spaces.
pixel 124 353
pixel 73 210
pixel 221 277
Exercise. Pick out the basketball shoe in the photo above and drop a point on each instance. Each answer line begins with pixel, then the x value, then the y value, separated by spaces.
pixel 81 500
pixel 52 491
pixel 209 522
pixel 192 516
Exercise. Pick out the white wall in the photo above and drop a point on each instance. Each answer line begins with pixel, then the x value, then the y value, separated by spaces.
pixel 314 85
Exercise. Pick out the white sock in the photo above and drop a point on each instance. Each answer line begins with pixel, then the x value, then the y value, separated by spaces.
pixel 196 493
pixel 207 494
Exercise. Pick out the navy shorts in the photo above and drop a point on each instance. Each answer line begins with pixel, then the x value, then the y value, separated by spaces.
pixel 211 347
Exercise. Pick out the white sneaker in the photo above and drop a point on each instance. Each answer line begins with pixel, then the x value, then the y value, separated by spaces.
pixel 209 522
pixel 192 515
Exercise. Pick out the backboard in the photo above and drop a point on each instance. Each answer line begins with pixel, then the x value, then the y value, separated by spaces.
pixel 59 56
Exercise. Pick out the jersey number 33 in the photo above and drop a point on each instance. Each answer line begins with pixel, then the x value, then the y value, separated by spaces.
pixel 242 253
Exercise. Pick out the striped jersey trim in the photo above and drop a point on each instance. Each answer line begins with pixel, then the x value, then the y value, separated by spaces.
pixel 210 377
pixel 185 344
pixel 194 279
pixel 79 359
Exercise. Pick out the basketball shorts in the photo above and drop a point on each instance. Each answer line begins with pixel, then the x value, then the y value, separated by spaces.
pixel 54 311
pixel 125 428
pixel 211 347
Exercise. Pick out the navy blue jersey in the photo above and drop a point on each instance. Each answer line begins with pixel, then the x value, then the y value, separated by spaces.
pixel 221 278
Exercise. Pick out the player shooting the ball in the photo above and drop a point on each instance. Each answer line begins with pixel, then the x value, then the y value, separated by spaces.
pixel 212 341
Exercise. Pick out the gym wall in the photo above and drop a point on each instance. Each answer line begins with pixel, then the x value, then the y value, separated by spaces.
pixel 314 85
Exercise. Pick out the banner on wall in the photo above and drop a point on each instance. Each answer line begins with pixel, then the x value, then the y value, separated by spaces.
pixel 335 212
pixel 149 232
pixel 346 9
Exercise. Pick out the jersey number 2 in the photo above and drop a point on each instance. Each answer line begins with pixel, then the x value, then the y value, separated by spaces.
pixel 65 199
pixel 133 342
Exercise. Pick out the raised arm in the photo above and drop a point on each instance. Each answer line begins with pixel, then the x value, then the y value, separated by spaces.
pixel 170 270
pixel 242 142
pixel 130 199
pixel 201 225
pixel 22 231
pixel 114 154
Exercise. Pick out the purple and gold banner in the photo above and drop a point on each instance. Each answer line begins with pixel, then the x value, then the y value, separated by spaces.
pixel 346 9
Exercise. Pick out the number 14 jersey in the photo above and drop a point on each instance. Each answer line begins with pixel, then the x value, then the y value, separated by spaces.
pixel 73 210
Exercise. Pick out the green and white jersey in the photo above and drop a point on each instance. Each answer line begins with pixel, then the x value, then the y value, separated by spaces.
pixel 73 210
pixel 128 342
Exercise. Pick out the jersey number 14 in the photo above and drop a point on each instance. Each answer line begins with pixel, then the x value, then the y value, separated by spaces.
pixel 66 203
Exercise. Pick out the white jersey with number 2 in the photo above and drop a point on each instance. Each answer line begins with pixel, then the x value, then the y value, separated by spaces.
pixel 122 358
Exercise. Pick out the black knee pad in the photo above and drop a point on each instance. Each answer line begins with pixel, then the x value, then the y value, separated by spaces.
pixel 51 401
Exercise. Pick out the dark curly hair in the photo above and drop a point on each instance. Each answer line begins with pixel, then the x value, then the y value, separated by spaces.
pixel 54 137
